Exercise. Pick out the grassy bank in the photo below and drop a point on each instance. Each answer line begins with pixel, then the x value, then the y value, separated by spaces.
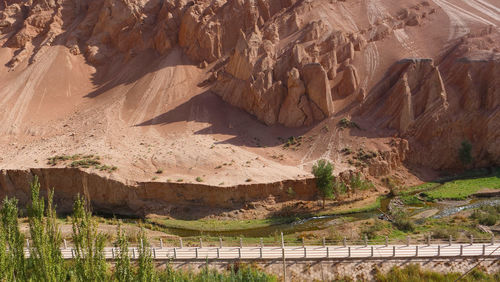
pixel 462 188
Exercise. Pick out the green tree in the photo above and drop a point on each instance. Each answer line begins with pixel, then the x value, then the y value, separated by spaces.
pixel 323 170
pixel 90 264
pixel 15 264
pixel 45 259
pixel 465 153
pixel 123 269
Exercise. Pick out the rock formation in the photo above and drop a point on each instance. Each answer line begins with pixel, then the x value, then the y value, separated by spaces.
pixel 420 70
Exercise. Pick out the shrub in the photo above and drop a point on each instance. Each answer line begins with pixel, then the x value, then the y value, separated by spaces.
pixel 199 179
pixel 403 222
pixel 347 123
pixel 371 230
pixel 464 153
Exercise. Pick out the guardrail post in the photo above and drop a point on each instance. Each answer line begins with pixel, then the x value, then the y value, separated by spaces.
pixel 175 253
pixel 201 243
pixel 372 251
pixel 407 241
pixel 283 256
pixel 154 253
pixel 471 239
pixel 345 242
pixel 327 252
pixel 218 252
pixel 428 239
pixel 65 244
pixel 72 253
pixel 142 245
pixel 484 249
pixel 161 243
pixel 133 253
pixel 196 250
pixel 461 250
pixel 386 241
pixel 304 247
pixel 180 241
pixel 349 251
pixel 261 246
pixel 239 252
pixel 449 243
pixel 439 250
pixel 416 250
pixel 112 253
pixel 220 242
pixel 27 243
pixel 393 251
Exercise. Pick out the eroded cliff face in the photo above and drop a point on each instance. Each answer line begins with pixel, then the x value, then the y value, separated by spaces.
pixel 144 198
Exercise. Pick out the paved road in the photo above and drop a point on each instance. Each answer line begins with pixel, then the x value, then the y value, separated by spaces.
pixel 314 252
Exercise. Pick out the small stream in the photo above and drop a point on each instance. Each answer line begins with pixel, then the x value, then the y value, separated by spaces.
pixel 445 208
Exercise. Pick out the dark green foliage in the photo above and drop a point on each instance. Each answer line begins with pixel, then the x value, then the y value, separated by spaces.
pixel 90 264
pixel 323 170
pixel 15 263
pixel 465 153
pixel 46 258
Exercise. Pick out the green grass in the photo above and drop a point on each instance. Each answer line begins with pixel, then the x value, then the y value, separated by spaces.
pixel 419 188
pixel 461 189
pixel 214 225
pixel 370 207
pixel 410 200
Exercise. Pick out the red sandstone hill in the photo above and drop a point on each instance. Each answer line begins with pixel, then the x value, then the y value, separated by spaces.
pixel 176 90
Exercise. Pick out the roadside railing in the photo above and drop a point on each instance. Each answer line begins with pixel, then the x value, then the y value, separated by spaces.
pixel 311 249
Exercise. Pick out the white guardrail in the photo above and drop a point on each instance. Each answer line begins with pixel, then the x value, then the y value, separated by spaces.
pixel 439 249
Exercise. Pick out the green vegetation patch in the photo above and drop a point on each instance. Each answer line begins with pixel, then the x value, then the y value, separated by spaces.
pixel 81 161
pixel 463 188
